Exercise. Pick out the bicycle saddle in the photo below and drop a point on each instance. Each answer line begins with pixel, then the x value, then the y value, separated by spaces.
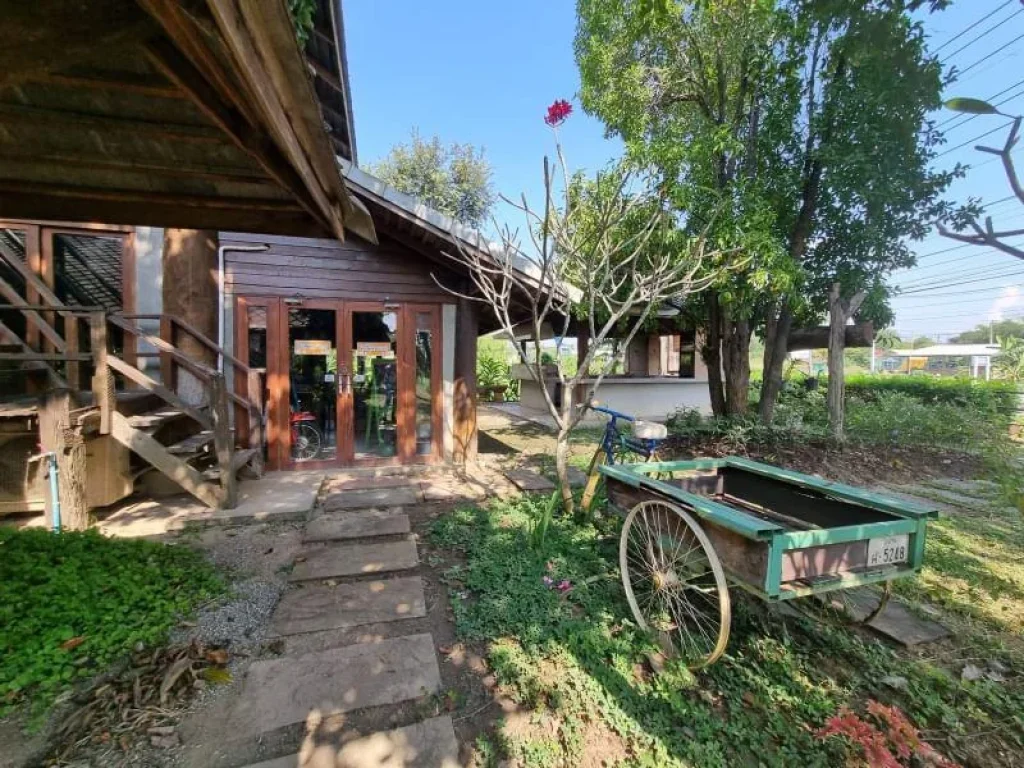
pixel 649 430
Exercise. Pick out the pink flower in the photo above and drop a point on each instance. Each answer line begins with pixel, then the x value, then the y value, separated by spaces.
pixel 559 110
pixel 564 585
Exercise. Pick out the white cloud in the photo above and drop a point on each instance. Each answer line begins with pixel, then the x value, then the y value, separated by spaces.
pixel 1010 298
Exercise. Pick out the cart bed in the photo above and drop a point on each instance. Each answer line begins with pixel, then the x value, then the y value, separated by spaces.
pixel 779 533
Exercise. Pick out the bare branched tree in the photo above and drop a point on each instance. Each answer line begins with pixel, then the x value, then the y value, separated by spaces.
pixel 987 234
pixel 597 257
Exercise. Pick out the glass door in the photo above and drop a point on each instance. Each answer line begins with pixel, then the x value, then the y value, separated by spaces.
pixel 374 381
pixel 313 404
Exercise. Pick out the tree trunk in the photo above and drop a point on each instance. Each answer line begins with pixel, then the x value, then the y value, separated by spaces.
pixel 839 312
pixel 562 470
pixel 736 348
pixel 190 291
pixel 776 337
pixel 712 354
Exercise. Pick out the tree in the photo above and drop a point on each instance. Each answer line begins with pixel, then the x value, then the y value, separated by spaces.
pixel 776 112
pixel 454 180
pixel 602 252
pixel 984 333
pixel 887 338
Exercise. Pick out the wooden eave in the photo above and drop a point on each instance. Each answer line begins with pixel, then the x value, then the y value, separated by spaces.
pixel 182 113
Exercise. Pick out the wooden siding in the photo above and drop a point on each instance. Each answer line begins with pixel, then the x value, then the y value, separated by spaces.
pixel 329 269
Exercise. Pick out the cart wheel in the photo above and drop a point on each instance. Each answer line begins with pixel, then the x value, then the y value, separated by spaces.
pixel 674 581
pixel 857 606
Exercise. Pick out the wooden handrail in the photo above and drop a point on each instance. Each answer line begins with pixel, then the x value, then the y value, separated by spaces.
pixel 198 369
pixel 195 333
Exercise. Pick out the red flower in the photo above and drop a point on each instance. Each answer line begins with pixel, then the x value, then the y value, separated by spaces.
pixel 557 112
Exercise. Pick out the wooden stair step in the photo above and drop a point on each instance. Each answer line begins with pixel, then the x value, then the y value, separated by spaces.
pixel 192 445
pixel 153 420
pixel 239 459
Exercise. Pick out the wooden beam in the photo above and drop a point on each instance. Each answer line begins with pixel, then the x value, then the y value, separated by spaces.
pixel 178 69
pixel 102 382
pixel 55 378
pixel 45 357
pixel 21 165
pixel 201 371
pixel 151 385
pixel 65 120
pixel 57 436
pixel 223 441
pixel 858 335
pixel 196 334
pixel 44 328
pixel 155 453
pixel 94 79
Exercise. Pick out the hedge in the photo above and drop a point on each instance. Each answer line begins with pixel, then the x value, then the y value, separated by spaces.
pixel 988 396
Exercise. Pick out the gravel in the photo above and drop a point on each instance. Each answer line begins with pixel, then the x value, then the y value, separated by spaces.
pixel 239 624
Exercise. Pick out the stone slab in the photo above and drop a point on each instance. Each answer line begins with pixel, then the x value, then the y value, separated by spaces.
pixel 897 622
pixel 577 478
pixel 370 482
pixel 320 607
pixel 355 525
pixel 276 497
pixel 355 560
pixel 404 496
pixel 528 481
pixel 283 691
pixel 429 744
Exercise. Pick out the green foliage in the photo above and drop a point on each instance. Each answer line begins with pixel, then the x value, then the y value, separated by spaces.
pixel 887 338
pixel 455 180
pixel 72 603
pixel 971 106
pixel 580 664
pixel 983 333
pixel 303 13
pixel 1010 361
pixel 987 398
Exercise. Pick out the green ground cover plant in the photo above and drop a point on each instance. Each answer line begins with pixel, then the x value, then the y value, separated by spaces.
pixel 558 636
pixel 72 603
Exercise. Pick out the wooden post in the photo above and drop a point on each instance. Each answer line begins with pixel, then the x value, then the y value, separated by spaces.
pixel 467 326
pixel 190 292
pixel 74 368
pixel 57 435
pixel 222 440
pixel 840 311
pixel 166 361
pixel 254 394
pixel 102 380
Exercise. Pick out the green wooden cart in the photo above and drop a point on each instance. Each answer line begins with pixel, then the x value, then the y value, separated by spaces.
pixel 692 528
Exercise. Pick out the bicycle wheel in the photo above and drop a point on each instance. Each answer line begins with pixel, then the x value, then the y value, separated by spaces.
pixel 674 582
pixel 305 442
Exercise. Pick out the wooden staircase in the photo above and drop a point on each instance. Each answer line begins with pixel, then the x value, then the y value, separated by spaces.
pixel 191 442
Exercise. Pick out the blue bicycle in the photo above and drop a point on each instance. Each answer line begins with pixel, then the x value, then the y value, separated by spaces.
pixel 640 444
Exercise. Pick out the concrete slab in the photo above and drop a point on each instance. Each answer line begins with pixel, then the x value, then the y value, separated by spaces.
pixel 897 622
pixel 320 607
pixel 453 489
pixel 355 525
pixel 430 744
pixel 369 482
pixel 527 481
pixel 283 691
pixel 404 496
pixel 277 496
pixel 356 560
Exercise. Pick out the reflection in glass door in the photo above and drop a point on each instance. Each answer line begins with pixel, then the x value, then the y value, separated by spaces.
pixel 313 384
pixel 375 383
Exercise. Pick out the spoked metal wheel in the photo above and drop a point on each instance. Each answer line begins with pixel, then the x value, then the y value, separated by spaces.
pixel 674 581
pixel 305 442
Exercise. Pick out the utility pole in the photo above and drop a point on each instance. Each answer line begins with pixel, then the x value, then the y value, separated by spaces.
pixel 991 330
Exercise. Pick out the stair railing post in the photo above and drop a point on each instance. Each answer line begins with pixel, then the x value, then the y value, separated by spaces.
pixel 254 394
pixel 223 440
pixel 166 361
pixel 57 435
pixel 102 378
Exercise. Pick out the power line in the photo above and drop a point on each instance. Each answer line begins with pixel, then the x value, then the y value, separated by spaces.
pixel 988 56
pixel 971 141
pixel 912 294
pixel 954 275
pixel 988 31
pixel 972 26
pixel 948 281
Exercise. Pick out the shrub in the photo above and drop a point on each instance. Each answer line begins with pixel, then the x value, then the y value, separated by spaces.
pixel 996 398
pixel 72 603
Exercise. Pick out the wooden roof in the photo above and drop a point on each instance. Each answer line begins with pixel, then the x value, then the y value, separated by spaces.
pixel 187 113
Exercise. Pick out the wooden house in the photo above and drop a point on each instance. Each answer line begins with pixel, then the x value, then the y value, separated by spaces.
pixel 188 246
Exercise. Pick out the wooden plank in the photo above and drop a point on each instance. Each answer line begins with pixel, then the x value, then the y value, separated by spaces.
pixel 202 371
pixel 55 378
pixel 223 440
pixel 382 282
pixel 102 382
pixel 44 357
pixel 36 320
pixel 187 132
pixel 57 435
pixel 195 333
pixel 213 202
pixel 151 385
pixel 156 454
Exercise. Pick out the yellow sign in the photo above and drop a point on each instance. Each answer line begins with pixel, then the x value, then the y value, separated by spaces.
pixel 373 348
pixel 312 347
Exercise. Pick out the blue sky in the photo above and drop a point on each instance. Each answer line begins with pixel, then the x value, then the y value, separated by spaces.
pixel 484 72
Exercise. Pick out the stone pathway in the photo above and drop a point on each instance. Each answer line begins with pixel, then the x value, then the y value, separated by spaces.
pixel 356 568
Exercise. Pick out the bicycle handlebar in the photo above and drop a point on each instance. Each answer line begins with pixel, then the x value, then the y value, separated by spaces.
pixel 610 412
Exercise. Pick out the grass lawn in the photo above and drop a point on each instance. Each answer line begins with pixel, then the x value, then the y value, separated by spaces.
pixel 588 695
pixel 72 603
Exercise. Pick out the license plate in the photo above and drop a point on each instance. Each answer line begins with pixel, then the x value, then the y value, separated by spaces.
pixel 887 550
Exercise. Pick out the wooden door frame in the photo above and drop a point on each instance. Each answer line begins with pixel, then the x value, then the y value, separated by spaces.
pixel 279 384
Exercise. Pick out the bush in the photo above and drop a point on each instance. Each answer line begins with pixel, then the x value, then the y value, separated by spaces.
pixel 72 603
pixel 997 398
